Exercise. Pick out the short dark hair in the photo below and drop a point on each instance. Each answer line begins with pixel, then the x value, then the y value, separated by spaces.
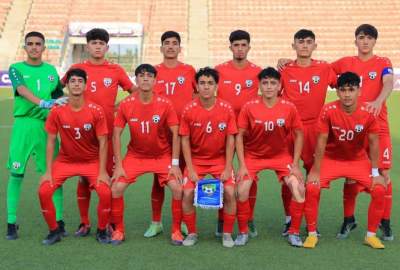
pixel 208 72
pixel 269 72
pixel 170 34
pixel 239 35
pixel 34 34
pixel 304 33
pixel 97 33
pixel 142 68
pixel 76 72
pixel 367 29
pixel 348 79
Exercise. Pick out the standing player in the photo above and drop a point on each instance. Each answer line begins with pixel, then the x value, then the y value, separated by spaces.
pixel 238 84
pixel 83 131
pixel 305 82
pixel 103 81
pixel 376 85
pixel 151 118
pixel 175 81
pixel 35 84
pixel 207 128
pixel 265 124
pixel 344 127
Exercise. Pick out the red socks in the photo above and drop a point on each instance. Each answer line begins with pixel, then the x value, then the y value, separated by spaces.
pixel 45 193
pixel 350 192
pixel 190 221
pixel 117 213
pixel 252 199
pixel 388 202
pixel 83 195
pixel 286 196
pixel 104 206
pixel 243 213
pixel 157 199
pixel 376 207
pixel 176 208
pixel 296 210
pixel 311 206
pixel 229 221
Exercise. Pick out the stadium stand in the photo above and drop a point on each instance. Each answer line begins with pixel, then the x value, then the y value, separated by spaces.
pixel 273 23
pixel 5 6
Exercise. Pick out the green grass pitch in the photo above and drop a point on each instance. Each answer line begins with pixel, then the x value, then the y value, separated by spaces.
pixel 268 251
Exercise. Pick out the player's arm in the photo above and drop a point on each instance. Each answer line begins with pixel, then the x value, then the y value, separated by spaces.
pixel 119 170
pixel 298 148
pixel 313 176
pixel 103 175
pixel 282 62
pixel 176 149
pixel 229 151
pixel 373 141
pixel 242 172
pixel 376 105
pixel 187 154
pixel 51 142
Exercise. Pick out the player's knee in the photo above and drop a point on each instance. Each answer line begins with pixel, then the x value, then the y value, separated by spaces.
pixel 378 191
pixel 117 191
pixel 45 191
pixel 229 194
pixel 103 191
pixel 177 192
pixel 312 190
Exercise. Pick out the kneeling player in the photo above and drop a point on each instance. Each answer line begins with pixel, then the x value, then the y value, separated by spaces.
pixel 207 129
pixel 264 127
pixel 151 118
pixel 83 131
pixel 344 126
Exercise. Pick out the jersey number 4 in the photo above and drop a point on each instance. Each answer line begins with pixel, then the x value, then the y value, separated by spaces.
pixel 304 88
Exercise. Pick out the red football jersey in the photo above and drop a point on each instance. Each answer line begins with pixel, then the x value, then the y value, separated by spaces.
pixel 268 128
pixel 102 85
pixel 208 130
pixel 148 125
pixel 371 73
pixel 237 86
pixel 177 84
pixel 306 87
pixel 78 131
pixel 347 133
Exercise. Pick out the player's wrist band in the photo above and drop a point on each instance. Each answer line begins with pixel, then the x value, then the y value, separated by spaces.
pixel 375 172
pixel 175 162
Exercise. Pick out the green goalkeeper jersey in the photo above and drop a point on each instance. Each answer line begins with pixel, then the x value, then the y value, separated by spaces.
pixel 42 80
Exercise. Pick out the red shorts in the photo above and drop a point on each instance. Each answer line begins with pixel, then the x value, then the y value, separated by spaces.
pixel 281 166
pixel 310 140
pixel 61 171
pixel 358 171
pixel 135 167
pixel 202 170
pixel 385 151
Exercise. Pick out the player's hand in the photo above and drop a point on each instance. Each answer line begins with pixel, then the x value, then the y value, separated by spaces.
pixel 46 177
pixel 193 176
pixel 242 173
pixel 118 173
pixel 313 177
pixel 46 104
pixel 226 174
pixel 374 107
pixel 282 62
pixel 61 101
pixel 176 173
pixel 103 177
pixel 296 171
pixel 378 180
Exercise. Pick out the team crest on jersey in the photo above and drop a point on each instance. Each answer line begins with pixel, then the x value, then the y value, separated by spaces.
pixel 315 79
pixel 359 128
pixel 249 83
pixel 16 165
pixel 372 75
pixel 107 82
pixel 181 80
pixel 87 127
pixel 280 122
pixel 51 78
pixel 222 126
pixel 156 118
